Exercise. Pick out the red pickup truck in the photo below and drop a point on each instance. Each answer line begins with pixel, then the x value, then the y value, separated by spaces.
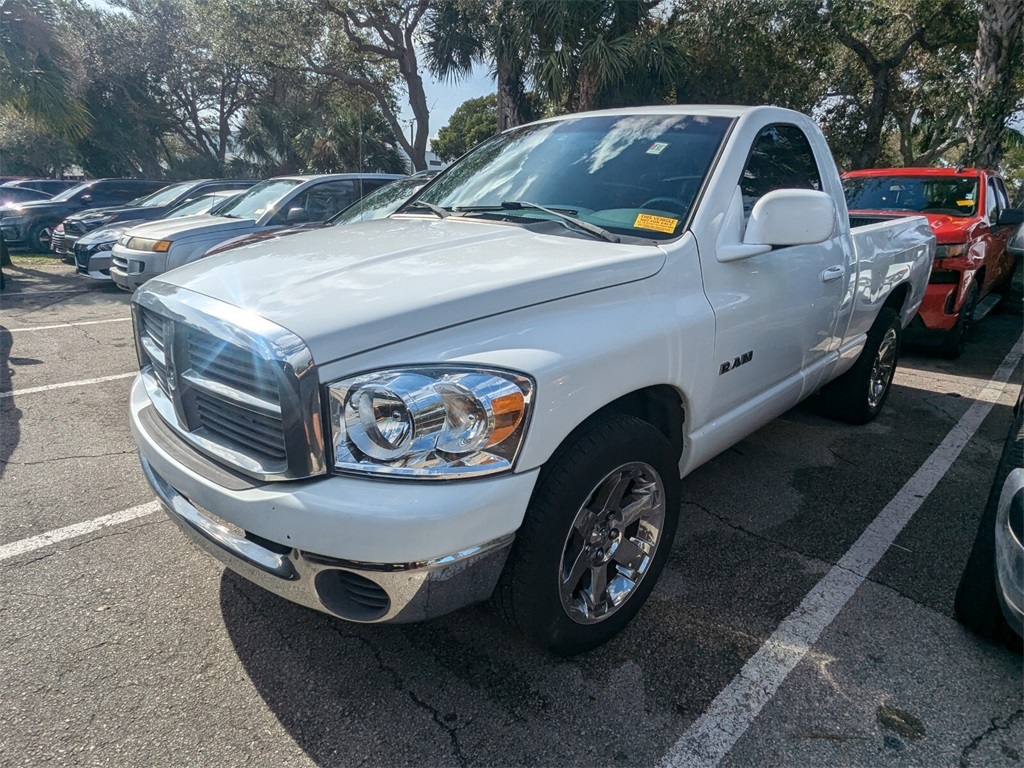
pixel 969 211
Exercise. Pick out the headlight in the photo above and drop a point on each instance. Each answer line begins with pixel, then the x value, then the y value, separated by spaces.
pixel 145 244
pixel 96 220
pixel 439 423
pixel 12 220
pixel 949 251
pixel 104 246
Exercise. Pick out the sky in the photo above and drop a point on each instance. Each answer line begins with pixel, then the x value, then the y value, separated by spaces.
pixel 445 98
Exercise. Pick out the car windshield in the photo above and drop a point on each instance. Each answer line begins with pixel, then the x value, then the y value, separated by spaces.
pixel 200 205
pixel 633 174
pixel 380 203
pixel 67 194
pixel 163 196
pixel 256 201
pixel 949 195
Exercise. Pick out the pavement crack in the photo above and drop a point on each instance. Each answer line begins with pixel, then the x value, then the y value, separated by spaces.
pixel 995 726
pixel 445 723
pixel 842 458
pixel 66 458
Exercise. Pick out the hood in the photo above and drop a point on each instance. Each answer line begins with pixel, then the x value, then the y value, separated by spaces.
pixel 107 234
pixel 344 290
pixel 125 213
pixel 947 229
pixel 952 229
pixel 270 233
pixel 187 226
pixel 41 206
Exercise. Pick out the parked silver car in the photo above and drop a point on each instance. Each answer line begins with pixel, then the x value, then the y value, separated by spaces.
pixel 151 249
pixel 990 599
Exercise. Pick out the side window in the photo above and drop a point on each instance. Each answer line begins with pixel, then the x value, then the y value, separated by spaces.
pixel 781 158
pixel 994 201
pixel 1004 197
pixel 322 201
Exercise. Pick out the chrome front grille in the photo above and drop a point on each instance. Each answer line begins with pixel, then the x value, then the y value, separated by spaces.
pixel 57 241
pixel 224 379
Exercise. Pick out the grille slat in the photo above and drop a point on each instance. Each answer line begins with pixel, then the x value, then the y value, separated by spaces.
pixel 249 430
pixel 232 366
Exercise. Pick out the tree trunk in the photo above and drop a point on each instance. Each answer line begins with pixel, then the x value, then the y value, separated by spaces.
pixel 874 119
pixel 511 95
pixel 998 53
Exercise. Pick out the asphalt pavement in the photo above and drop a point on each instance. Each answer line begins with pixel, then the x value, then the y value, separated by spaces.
pixel 122 645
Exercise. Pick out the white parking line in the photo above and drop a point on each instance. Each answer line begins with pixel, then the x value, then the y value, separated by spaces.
pixel 66 384
pixel 715 732
pixel 7 551
pixel 68 325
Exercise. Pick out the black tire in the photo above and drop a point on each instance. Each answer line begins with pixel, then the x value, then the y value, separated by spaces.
pixel 858 395
pixel 34 239
pixel 530 594
pixel 977 602
pixel 955 341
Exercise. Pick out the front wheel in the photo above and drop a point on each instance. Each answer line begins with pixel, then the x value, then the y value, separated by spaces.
pixel 38 239
pixel 858 395
pixel 595 538
pixel 955 340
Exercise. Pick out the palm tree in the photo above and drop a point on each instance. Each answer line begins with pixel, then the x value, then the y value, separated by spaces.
pixel 35 75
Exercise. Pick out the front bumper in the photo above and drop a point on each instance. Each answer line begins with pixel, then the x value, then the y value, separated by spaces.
pixel 93 264
pixel 360 549
pixel 129 269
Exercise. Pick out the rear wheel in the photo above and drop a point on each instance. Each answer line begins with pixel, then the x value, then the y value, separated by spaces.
pixel 858 395
pixel 596 536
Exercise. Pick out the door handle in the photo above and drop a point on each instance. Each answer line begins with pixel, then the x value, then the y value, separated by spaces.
pixel 833 273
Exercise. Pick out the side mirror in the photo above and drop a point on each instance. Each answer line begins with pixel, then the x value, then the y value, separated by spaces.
pixel 1010 217
pixel 85 199
pixel 296 216
pixel 791 217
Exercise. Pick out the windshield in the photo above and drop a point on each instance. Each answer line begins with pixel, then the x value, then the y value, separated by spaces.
pixel 67 194
pixel 949 195
pixel 163 196
pixel 200 205
pixel 635 174
pixel 380 203
pixel 264 197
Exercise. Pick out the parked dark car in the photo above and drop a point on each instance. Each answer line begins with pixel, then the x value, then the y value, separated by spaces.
pixel 378 204
pixel 53 186
pixel 10 195
pixel 150 208
pixel 30 224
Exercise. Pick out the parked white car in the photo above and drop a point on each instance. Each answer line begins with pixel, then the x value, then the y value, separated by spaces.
pixel 151 249
pixel 497 389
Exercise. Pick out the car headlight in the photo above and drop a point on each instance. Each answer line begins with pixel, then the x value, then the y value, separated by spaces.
pixel 437 423
pixel 145 244
pixel 949 251
pixel 11 221
pixel 95 221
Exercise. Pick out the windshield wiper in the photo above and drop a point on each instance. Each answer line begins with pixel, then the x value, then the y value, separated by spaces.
pixel 518 205
pixel 437 209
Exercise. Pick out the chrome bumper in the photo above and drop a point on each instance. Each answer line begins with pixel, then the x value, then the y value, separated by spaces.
pixel 360 592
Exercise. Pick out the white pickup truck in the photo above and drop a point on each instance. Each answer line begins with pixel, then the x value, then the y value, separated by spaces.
pixel 497 390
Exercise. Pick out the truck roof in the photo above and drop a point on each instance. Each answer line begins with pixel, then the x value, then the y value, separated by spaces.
pixel 964 172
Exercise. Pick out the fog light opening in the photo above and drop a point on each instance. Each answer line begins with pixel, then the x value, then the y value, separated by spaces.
pixel 351 596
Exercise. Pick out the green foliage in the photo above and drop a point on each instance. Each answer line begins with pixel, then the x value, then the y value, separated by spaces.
pixel 28 150
pixel 474 121
pixel 36 70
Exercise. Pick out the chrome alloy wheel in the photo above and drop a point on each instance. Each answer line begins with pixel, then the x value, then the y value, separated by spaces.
pixel 883 368
pixel 612 542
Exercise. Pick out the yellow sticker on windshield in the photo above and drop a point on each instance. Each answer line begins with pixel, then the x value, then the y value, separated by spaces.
pixel 657 223
pixel 965 203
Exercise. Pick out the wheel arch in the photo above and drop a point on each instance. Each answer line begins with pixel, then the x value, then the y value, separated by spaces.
pixel 660 405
